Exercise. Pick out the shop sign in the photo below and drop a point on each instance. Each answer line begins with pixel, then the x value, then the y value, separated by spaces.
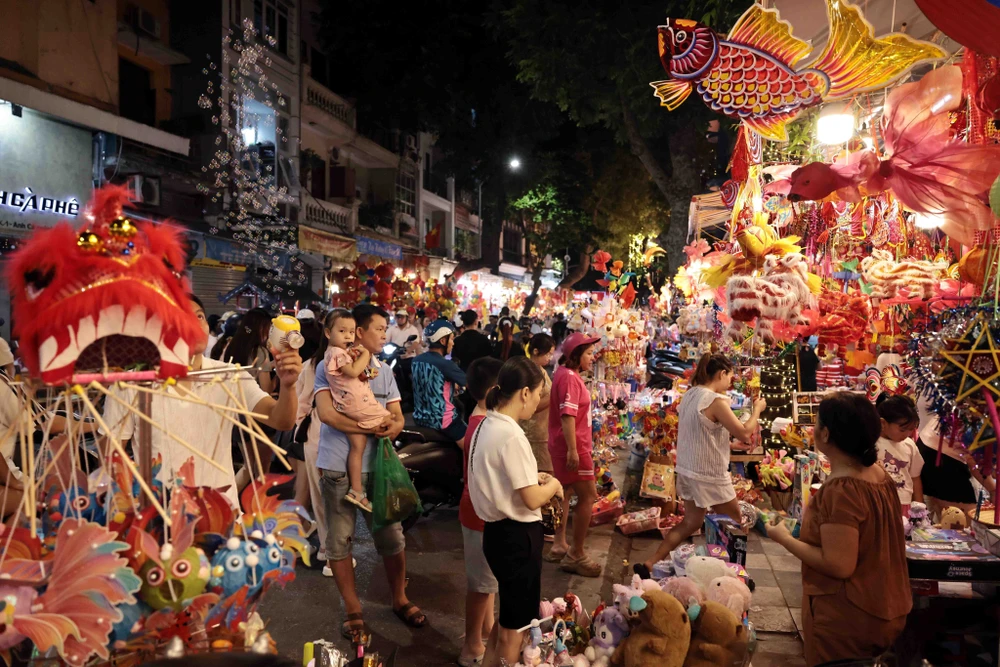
pixel 330 245
pixel 384 249
pixel 29 201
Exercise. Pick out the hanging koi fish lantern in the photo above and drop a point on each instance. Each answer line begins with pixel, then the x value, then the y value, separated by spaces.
pixel 750 74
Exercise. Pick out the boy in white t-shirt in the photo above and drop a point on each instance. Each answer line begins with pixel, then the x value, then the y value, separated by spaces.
pixel 897 451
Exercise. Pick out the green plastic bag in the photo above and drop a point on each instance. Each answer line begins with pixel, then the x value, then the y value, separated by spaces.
pixel 392 495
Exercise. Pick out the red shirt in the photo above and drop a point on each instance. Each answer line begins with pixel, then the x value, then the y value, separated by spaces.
pixel 466 513
pixel 571 397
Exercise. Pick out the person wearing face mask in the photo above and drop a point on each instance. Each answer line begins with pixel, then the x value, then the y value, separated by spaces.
pixel 705 423
pixel 400 332
pixel 507 492
pixel 851 544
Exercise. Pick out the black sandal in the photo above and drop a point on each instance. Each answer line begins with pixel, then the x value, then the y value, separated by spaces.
pixel 641 570
pixel 350 630
pixel 410 614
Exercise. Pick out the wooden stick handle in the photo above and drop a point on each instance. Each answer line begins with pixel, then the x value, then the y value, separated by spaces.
pixel 152 423
pixel 126 459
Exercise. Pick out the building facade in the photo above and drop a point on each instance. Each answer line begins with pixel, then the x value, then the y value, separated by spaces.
pixel 62 111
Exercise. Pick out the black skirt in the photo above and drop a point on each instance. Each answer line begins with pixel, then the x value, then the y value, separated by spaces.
pixel 514 552
pixel 951 481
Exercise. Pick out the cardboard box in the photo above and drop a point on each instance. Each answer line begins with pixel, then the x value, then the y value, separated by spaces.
pixel 952 561
pixel 722 530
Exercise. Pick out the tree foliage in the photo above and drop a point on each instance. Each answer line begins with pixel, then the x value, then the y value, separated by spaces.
pixel 594 60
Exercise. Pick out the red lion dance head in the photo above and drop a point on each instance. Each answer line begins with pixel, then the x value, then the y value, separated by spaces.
pixel 109 297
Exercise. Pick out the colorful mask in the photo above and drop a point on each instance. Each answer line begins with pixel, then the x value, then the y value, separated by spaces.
pixel 111 295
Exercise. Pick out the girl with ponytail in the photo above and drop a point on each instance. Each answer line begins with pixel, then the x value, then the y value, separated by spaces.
pixel 507 492
pixel 705 424
pixel 852 546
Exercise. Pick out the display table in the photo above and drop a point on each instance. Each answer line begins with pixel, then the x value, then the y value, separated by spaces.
pixel 955 584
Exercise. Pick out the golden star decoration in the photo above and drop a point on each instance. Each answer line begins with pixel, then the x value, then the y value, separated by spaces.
pixel 978 361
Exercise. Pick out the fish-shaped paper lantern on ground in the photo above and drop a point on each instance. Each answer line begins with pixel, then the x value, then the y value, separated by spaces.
pixel 751 73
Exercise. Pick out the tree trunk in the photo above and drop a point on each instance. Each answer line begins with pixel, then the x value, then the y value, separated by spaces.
pixel 677 187
pixel 536 284
pixel 641 150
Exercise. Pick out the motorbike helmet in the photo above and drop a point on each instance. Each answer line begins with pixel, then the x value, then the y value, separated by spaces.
pixel 437 330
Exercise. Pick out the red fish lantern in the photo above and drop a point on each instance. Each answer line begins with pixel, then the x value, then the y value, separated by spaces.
pixel 751 74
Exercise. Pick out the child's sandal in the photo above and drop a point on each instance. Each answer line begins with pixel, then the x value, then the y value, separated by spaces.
pixel 358 498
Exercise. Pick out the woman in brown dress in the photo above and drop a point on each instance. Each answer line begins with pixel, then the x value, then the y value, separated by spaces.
pixel 854 579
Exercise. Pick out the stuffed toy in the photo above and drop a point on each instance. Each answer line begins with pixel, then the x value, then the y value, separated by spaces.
pixel 626 596
pixel 662 637
pixel 684 589
pixel 703 570
pixel 919 516
pixel 718 638
pixel 610 628
pixel 953 518
pixel 730 592
pixel 680 556
pixel 779 295
pixel 887 277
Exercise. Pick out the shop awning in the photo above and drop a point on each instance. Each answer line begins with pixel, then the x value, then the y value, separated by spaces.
pixel 339 248
pixel 88 116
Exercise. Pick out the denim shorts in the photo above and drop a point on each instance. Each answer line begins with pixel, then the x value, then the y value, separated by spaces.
pixel 478 575
pixel 342 517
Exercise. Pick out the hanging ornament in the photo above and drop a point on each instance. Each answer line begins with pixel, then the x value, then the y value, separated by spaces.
pixel 750 74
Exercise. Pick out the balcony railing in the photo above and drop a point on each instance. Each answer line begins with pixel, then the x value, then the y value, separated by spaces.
pixel 437 184
pixel 326 100
pixel 328 216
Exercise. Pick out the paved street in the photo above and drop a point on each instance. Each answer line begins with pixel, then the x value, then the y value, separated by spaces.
pixel 311 609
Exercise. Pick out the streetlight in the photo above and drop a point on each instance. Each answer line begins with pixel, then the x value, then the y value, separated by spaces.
pixel 513 164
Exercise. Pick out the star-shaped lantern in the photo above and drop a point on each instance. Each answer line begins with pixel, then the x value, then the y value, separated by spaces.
pixel 976 357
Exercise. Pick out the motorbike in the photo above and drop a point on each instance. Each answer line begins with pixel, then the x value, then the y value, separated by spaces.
pixel 435 465
pixel 665 368
pixel 392 355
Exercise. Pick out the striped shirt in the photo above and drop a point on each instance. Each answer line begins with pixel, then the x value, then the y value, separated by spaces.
pixel 702 445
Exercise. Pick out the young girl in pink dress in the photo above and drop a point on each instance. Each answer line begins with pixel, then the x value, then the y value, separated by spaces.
pixel 346 365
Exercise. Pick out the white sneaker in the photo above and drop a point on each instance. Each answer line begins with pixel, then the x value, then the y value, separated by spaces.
pixel 328 571
pixel 321 555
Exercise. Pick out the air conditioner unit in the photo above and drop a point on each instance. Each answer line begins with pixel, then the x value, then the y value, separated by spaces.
pixel 144 190
pixel 143 21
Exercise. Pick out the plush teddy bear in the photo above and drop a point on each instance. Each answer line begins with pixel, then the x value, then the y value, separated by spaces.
pixel 731 593
pixel 610 628
pixel 718 638
pixel 684 589
pixel 662 638
pixel 624 594
pixel 704 569
pixel 954 519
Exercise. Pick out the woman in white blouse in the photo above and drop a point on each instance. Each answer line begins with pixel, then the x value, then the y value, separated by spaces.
pixel 507 491
pixel 705 422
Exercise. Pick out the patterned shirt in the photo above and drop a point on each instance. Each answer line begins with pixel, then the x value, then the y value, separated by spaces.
pixel 434 381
